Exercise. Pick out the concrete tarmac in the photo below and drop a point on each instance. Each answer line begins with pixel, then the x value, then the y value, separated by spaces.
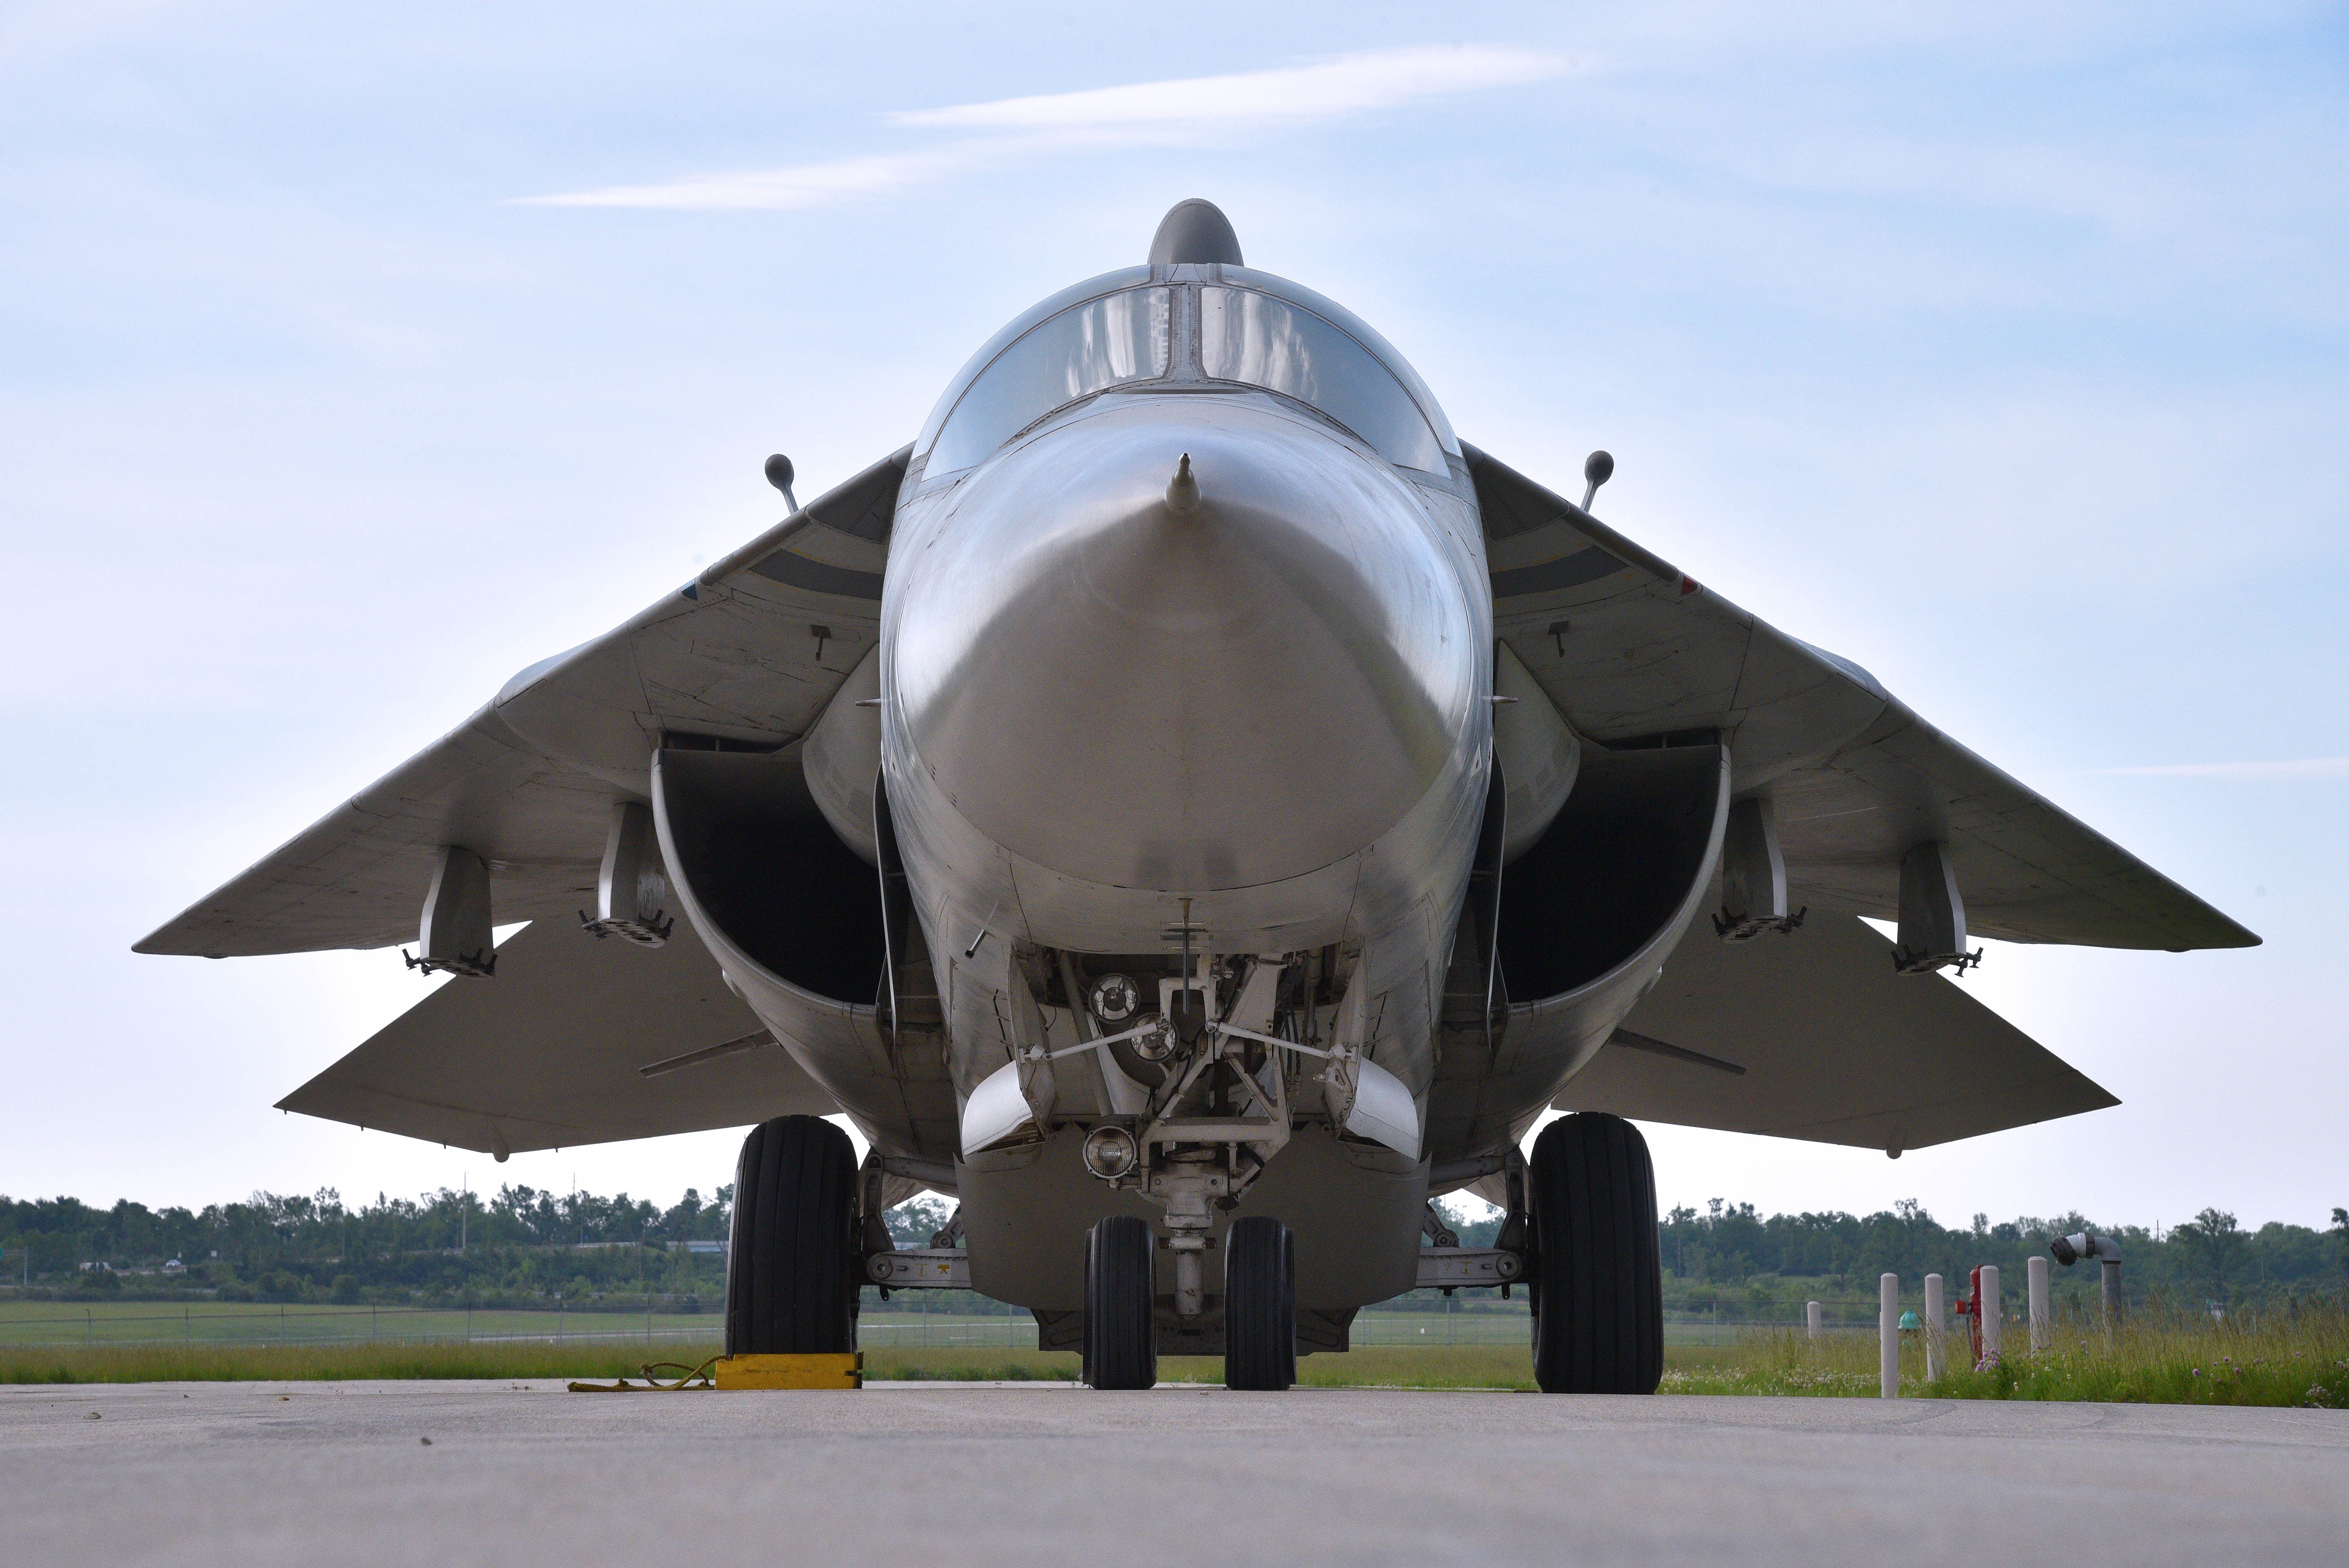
pixel 260 1474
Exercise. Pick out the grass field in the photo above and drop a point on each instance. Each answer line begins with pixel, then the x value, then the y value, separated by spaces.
pixel 2297 1361
pixel 2300 1359
pixel 227 1363
pixel 221 1323
pixel 64 1324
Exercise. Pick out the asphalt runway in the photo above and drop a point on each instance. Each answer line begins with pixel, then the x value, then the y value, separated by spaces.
pixel 258 1474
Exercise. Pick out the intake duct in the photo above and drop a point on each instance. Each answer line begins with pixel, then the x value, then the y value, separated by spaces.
pixel 763 876
pixel 1624 860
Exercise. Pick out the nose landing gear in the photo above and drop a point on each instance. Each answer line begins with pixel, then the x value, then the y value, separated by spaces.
pixel 1120 1343
pixel 1259 1304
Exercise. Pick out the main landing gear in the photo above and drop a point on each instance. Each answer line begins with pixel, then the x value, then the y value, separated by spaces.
pixel 792 1277
pixel 792 1271
pixel 1598 1279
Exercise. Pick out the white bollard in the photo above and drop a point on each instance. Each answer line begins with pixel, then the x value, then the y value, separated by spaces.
pixel 1887 1330
pixel 1990 1313
pixel 1936 1357
pixel 1813 1320
pixel 2034 1272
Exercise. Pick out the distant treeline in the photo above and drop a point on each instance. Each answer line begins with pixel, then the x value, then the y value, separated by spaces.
pixel 1732 1261
pixel 457 1246
pixel 1731 1257
pixel 62 1232
pixel 520 1243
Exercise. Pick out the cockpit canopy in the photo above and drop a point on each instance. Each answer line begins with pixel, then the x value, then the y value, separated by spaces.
pixel 1202 327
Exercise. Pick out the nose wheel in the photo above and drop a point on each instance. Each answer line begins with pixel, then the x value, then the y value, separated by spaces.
pixel 1259 1304
pixel 1120 1343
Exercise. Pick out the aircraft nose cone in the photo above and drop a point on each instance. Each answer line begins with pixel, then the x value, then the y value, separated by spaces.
pixel 1186 677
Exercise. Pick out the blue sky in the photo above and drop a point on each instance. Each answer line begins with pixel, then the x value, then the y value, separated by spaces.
pixel 352 360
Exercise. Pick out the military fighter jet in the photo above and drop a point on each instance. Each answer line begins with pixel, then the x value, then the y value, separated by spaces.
pixel 1193 809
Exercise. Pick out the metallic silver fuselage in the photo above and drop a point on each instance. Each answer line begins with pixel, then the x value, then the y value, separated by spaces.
pixel 1269 713
pixel 1116 716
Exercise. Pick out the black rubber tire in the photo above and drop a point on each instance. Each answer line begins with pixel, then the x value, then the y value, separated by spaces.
pixel 792 1283
pixel 1121 1345
pixel 1598 1285
pixel 1259 1303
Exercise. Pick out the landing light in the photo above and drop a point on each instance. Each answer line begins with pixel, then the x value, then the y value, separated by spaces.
pixel 1156 1043
pixel 1110 1152
pixel 1114 998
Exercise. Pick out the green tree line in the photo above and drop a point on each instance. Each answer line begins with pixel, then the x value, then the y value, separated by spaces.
pixel 1736 1261
pixel 521 1243
pixel 518 1243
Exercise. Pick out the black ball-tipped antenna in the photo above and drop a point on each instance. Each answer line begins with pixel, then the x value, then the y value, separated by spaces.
pixel 1596 469
pixel 778 474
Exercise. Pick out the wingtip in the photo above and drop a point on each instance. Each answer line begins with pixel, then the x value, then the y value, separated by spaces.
pixel 2237 935
pixel 160 944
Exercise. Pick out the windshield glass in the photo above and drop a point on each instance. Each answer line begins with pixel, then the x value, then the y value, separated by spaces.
pixel 1264 341
pixel 1120 337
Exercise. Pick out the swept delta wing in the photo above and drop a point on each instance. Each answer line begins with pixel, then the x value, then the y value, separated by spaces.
pixel 734 657
pixel 1634 651
pixel 553 1054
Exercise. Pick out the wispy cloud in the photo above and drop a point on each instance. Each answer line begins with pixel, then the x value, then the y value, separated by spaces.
pixel 797 185
pixel 2307 767
pixel 1191 110
pixel 1350 84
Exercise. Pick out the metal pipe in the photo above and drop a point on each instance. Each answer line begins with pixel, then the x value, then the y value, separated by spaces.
pixel 1189 1284
pixel 1887 1335
pixel 936 1174
pixel 2069 1249
pixel 1450 1175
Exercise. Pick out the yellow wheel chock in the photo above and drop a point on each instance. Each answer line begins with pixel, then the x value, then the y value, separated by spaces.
pixel 842 1369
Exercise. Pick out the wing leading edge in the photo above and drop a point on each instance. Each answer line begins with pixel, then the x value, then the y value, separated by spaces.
pixel 1633 651
pixel 748 653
